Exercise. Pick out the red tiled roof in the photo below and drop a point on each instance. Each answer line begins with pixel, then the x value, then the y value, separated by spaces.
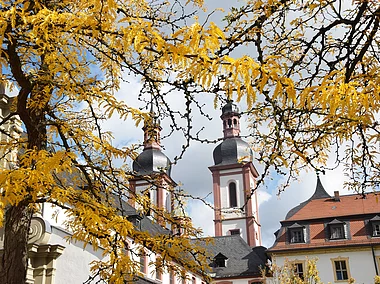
pixel 282 246
pixel 349 205
pixel 354 209
pixel 318 239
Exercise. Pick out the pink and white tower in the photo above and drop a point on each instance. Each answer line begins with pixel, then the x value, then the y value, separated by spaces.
pixel 152 168
pixel 234 176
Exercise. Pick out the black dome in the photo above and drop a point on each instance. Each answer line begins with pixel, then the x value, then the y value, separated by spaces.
pixel 152 161
pixel 232 151
pixel 230 107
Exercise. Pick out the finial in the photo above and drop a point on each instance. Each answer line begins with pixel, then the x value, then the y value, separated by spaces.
pixel 318 171
pixel 153 115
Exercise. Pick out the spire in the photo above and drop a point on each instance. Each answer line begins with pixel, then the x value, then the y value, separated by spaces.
pixel 151 160
pixel 231 120
pixel 152 130
pixel 320 191
pixel 233 150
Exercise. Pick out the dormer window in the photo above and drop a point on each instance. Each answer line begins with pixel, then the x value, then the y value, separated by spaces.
pixel 220 260
pixel 336 229
pixel 297 236
pixel 296 233
pixel 376 230
pixel 337 232
pixel 135 219
pixel 232 194
pixel 375 222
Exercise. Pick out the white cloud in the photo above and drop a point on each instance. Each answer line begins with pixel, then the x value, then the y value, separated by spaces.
pixel 263 197
pixel 274 210
pixel 202 217
pixel 192 171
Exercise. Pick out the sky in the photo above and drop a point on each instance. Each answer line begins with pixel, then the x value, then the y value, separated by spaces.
pixel 194 177
pixel 192 172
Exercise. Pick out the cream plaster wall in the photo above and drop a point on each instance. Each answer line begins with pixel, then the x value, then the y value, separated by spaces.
pixel 54 215
pixel 73 265
pixel 361 264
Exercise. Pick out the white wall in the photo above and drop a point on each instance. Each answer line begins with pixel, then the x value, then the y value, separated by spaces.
pixel 234 281
pixel 361 264
pixel 73 266
pixel 54 215
pixel 235 224
pixel 141 186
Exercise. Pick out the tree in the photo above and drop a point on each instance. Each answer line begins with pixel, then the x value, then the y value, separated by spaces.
pixel 316 89
pixel 67 60
pixel 308 89
pixel 287 273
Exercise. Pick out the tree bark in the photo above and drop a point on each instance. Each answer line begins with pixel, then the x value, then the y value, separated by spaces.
pixel 14 262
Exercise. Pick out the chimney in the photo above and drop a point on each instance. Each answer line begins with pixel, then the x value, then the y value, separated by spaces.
pixel 336 196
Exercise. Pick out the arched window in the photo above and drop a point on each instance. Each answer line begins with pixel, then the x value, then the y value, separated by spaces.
pixel 232 194
pixel 235 122
pixel 229 123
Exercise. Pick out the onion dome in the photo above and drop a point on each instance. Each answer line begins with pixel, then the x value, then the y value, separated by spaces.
pixel 233 149
pixel 152 160
pixel 230 107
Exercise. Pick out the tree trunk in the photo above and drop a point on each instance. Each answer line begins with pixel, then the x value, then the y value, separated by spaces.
pixel 14 262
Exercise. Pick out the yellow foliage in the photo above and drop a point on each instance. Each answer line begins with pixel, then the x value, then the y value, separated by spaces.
pixel 306 91
pixel 286 273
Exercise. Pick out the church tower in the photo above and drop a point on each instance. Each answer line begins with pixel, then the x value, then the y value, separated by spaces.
pixel 234 175
pixel 152 169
